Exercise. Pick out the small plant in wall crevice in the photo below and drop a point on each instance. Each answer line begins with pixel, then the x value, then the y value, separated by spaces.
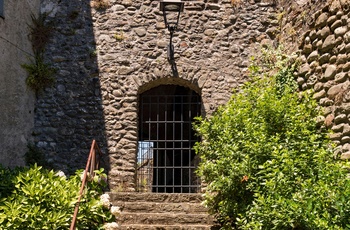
pixel 40 73
pixel 100 4
pixel 40 32
pixel 236 2
pixel 119 36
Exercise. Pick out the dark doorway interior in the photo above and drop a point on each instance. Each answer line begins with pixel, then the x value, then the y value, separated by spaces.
pixel 166 160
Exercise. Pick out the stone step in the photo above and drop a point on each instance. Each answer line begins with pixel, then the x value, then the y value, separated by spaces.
pixel 155 207
pixel 156 197
pixel 169 227
pixel 164 219
pixel 168 211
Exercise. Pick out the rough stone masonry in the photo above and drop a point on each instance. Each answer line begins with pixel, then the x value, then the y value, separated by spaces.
pixel 107 56
pixel 325 65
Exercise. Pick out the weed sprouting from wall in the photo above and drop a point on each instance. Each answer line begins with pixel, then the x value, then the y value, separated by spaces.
pixel 40 32
pixel 236 2
pixel 119 36
pixel 40 74
pixel 100 4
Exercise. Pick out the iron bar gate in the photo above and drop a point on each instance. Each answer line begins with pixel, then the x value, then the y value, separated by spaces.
pixel 166 159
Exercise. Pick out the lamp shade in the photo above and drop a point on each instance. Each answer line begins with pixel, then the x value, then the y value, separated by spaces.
pixel 171 5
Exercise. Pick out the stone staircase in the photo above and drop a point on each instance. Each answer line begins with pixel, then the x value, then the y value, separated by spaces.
pixel 162 211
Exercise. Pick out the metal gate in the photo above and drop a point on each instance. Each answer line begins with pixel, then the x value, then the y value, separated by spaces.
pixel 166 159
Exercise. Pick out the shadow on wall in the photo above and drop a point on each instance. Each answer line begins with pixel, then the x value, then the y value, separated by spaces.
pixel 69 115
pixel 16 100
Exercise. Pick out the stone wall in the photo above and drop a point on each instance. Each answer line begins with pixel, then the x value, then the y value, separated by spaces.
pixel 16 100
pixel 107 56
pixel 325 66
pixel 69 115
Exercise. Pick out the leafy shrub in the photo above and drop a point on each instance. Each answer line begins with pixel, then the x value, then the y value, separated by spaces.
pixel 266 163
pixel 35 198
pixel 7 177
pixel 35 156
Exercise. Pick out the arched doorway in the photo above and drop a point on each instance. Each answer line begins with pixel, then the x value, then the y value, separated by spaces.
pixel 166 159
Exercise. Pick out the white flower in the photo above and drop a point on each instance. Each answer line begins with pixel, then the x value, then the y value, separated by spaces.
pixel 88 176
pixel 111 226
pixel 105 196
pixel 115 210
pixel 60 174
pixel 105 200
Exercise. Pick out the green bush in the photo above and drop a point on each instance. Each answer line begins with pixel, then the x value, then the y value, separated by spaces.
pixel 266 163
pixel 35 155
pixel 35 198
pixel 7 181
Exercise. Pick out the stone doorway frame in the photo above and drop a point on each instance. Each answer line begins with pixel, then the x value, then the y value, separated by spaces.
pixel 166 161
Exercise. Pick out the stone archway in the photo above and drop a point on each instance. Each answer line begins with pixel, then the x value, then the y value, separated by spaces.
pixel 166 159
